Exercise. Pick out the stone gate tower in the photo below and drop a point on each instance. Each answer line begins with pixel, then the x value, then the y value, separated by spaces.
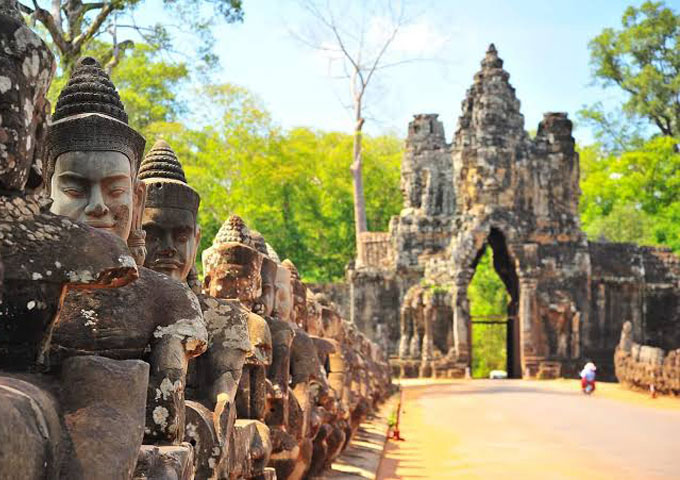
pixel 496 187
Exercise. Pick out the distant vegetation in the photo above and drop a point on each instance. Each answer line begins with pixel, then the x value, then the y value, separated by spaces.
pixel 487 296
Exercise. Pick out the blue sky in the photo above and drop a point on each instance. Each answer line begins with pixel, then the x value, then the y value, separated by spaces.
pixel 543 44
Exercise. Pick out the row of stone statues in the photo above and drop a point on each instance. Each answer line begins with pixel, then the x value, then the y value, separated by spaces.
pixel 116 362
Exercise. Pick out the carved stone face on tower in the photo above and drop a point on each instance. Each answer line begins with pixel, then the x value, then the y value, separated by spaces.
pixel 231 266
pixel 169 219
pixel 93 155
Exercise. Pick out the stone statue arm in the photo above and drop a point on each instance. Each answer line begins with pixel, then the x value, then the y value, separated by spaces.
pixel 226 367
pixel 282 339
pixel 229 345
pixel 165 398
pixel 171 348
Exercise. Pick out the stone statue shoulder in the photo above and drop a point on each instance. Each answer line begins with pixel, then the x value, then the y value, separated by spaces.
pixel 261 339
pixel 226 322
pixel 37 249
pixel 121 323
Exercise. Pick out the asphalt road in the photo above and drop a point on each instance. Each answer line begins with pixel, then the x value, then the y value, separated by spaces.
pixel 509 429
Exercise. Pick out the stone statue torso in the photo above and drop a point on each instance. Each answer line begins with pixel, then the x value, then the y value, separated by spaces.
pixel 121 323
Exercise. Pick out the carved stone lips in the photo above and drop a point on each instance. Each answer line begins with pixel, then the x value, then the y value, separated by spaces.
pixel 100 225
pixel 166 264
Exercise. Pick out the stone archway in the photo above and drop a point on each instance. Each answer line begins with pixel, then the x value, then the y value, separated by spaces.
pixel 506 269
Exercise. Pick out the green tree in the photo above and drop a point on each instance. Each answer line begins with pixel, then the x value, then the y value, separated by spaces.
pixel 72 25
pixel 643 60
pixel 634 196
pixel 487 296
pixel 291 186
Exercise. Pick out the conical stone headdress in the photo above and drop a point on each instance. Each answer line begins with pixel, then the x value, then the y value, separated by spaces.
pixel 233 230
pixel 90 116
pixel 166 185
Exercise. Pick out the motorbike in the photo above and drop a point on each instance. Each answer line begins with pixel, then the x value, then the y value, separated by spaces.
pixel 587 386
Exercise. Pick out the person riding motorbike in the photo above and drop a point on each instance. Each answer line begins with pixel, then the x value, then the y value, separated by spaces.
pixel 588 378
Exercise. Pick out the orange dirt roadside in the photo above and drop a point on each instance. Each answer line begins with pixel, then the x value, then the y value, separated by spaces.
pixel 513 429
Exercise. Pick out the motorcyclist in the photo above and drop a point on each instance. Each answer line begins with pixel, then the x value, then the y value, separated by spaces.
pixel 588 377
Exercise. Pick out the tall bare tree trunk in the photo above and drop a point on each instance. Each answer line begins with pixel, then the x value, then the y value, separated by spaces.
pixel 358 184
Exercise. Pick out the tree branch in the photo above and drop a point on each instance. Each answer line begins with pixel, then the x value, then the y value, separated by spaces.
pixel 117 53
pixel 384 49
pixel 25 9
pixel 96 24
pixel 56 15
pixel 44 17
pixel 92 6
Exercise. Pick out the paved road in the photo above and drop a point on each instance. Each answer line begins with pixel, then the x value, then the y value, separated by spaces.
pixel 505 429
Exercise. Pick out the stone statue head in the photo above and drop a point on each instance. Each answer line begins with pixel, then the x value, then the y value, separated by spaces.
pixel 626 339
pixel 26 69
pixel 265 304
pixel 283 302
pixel 314 324
pixel 169 219
pixel 299 295
pixel 232 267
pixel 333 326
pixel 268 297
pixel 93 155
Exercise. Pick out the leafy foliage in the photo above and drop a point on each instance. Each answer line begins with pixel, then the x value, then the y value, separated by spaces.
pixel 70 26
pixel 632 197
pixel 643 60
pixel 294 187
pixel 487 296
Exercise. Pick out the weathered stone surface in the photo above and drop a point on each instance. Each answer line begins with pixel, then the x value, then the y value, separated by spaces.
pixel 644 367
pixel 33 439
pixel 103 399
pixel 165 463
pixel 27 66
pixel 40 261
pixel 146 319
pixel 200 433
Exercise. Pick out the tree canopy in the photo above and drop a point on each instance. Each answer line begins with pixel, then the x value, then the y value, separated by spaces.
pixel 72 25
pixel 633 196
pixel 642 59
pixel 292 186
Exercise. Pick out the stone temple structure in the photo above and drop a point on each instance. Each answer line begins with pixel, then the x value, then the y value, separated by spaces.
pixel 496 187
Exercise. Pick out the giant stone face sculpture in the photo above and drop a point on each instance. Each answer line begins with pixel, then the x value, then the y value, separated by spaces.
pixel 93 155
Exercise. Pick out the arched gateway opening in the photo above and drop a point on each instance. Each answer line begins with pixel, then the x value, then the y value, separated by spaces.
pixel 491 329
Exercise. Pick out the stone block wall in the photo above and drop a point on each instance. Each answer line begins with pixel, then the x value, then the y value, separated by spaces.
pixel 643 367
